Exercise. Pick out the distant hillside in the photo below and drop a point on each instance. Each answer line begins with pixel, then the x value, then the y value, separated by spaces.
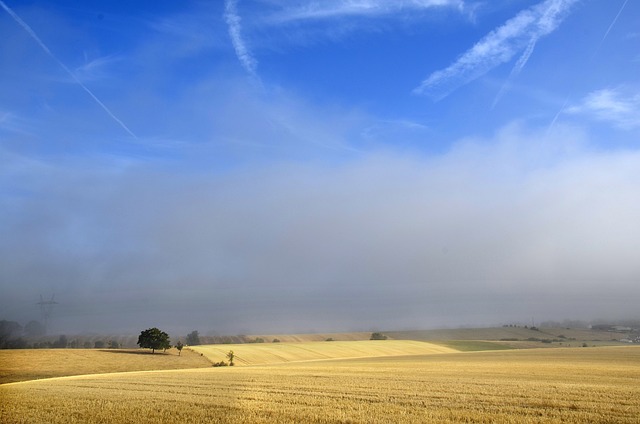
pixel 504 333
pixel 489 338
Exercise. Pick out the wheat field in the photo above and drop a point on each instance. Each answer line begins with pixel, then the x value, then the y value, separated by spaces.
pixel 32 364
pixel 594 385
pixel 275 353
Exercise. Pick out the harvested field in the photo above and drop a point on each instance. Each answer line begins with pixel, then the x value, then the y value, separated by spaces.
pixel 275 353
pixel 595 385
pixel 32 364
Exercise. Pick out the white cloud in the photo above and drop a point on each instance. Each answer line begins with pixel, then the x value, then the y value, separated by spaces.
pixel 520 33
pixel 611 105
pixel 233 20
pixel 331 9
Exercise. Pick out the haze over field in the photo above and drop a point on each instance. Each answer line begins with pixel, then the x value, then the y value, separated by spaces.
pixel 273 166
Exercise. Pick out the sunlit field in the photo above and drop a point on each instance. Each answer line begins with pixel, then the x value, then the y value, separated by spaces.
pixel 31 364
pixel 275 353
pixel 594 385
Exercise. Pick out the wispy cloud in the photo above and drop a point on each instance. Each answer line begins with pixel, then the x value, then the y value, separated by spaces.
pixel 95 69
pixel 75 78
pixel 13 123
pixel 364 8
pixel 519 34
pixel 233 21
pixel 611 105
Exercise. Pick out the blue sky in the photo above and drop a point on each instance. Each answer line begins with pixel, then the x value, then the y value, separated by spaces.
pixel 374 160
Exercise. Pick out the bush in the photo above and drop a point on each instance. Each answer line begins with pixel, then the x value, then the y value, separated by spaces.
pixel 378 336
pixel 276 340
pixel 220 364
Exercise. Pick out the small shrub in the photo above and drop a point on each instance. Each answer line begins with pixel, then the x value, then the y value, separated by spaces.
pixel 378 336
pixel 276 341
pixel 220 364
pixel 330 339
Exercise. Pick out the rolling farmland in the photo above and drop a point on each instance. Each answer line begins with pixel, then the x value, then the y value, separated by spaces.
pixel 541 385
pixel 275 353
pixel 32 364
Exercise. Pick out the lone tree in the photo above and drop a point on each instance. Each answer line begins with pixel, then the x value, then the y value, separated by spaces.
pixel 231 355
pixel 154 339
pixel 179 346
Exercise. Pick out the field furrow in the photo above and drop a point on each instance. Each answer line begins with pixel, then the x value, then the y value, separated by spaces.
pixel 546 386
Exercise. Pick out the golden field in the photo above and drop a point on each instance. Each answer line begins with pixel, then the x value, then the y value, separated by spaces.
pixel 275 353
pixel 32 364
pixel 594 385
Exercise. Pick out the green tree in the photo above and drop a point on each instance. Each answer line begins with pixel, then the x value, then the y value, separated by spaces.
pixel 231 355
pixel 193 339
pixel 179 346
pixel 153 339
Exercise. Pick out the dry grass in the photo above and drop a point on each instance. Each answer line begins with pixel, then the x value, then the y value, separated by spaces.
pixel 595 385
pixel 31 364
pixel 275 353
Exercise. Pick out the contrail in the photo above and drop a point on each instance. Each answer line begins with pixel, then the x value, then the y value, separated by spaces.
pixel 499 46
pixel 242 52
pixel 516 70
pixel 604 37
pixel 33 35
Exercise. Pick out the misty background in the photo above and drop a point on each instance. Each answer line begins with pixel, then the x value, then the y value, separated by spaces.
pixel 492 231
pixel 247 167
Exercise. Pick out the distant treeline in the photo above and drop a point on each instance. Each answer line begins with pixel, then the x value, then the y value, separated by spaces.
pixel 33 336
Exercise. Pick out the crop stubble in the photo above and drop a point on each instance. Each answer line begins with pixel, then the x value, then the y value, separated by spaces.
pixel 550 385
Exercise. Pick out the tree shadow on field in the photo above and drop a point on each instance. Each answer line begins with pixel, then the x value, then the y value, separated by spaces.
pixel 135 352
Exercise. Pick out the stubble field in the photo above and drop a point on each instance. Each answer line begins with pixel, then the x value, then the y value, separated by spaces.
pixel 33 364
pixel 595 385
pixel 277 353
